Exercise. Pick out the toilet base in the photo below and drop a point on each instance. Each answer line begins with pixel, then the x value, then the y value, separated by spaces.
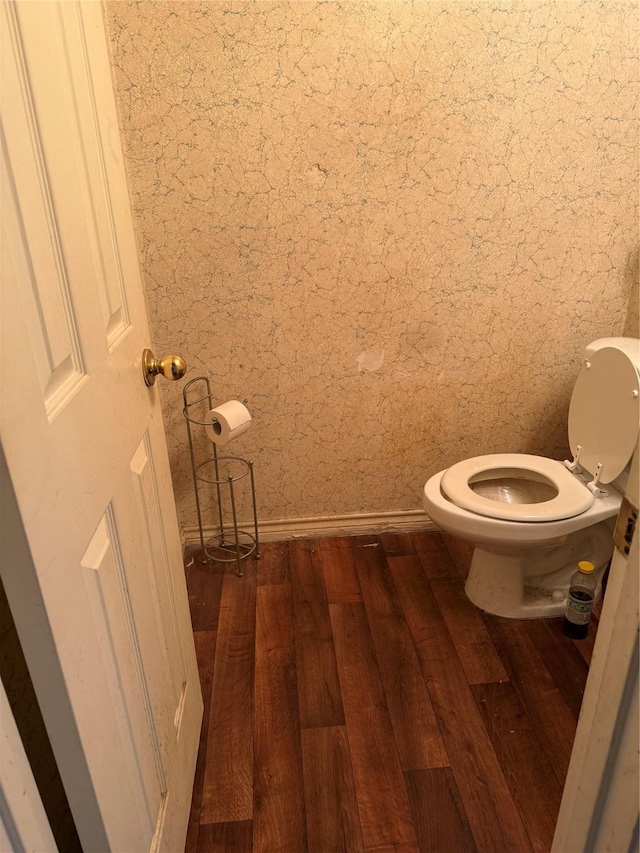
pixel 504 586
pixel 534 583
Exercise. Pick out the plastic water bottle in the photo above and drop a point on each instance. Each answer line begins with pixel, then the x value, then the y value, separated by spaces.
pixel 582 588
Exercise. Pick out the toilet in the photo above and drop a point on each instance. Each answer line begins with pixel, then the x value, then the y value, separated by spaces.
pixel 531 519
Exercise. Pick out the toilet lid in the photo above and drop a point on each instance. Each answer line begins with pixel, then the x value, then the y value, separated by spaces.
pixel 571 496
pixel 604 417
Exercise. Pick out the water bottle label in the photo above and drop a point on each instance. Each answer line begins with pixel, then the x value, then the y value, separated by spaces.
pixel 579 610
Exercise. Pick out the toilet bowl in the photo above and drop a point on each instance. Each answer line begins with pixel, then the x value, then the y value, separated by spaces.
pixel 531 519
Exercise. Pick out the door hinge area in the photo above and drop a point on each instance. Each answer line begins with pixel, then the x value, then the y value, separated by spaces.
pixel 625 526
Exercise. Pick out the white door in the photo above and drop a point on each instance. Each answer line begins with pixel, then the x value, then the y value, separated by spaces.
pixel 102 608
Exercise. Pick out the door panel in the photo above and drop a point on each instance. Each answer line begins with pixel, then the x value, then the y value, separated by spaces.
pixel 160 580
pixel 123 675
pixel 85 446
pixel 43 282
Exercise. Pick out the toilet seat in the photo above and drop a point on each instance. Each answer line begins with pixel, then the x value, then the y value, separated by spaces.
pixel 573 497
pixel 603 414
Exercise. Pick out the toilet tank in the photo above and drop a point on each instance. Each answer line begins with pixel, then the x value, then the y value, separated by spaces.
pixel 629 346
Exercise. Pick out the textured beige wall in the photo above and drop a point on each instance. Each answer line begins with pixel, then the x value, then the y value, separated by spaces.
pixel 391 226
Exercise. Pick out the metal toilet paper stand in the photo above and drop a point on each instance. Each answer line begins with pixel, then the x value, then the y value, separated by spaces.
pixel 229 544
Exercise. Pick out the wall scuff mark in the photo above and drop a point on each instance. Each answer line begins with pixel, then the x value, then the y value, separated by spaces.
pixel 370 361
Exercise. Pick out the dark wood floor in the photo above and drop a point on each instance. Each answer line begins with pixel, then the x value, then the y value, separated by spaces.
pixel 356 701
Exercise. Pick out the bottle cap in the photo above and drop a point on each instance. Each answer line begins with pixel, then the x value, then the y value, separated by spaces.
pixel 586 567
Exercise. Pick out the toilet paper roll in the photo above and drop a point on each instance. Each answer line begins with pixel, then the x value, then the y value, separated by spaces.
pixel 227 421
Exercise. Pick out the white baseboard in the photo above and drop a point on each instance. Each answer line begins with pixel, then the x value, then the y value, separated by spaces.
pixel 327 525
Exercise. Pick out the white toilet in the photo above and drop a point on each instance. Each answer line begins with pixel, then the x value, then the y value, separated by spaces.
pixel 531 519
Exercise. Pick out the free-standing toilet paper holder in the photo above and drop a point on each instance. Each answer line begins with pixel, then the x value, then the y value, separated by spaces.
pixel 230 544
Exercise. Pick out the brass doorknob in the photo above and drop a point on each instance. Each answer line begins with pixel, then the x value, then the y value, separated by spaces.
pixel 170 366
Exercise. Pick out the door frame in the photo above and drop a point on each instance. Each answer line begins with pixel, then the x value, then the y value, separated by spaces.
pixel 599 809
pixel 23 821
pixel 19 579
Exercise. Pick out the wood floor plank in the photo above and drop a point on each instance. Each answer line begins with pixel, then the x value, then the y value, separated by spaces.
pixel 339 569
pixel 561 657
pixel 279 824
pixel 360 672
pixel 205 643
pixel 437 562
pixel 273 565
pixel 529 774
pixel 478 656
pixel 332 811
pixel 228 778
pixel 226 837
pixel 397 544
pixel 385 816
pixel 318 685
pixel 414 723
pixel 477 653
pixel 440 819
pixel 461 553
pixel 552 720
pixel 492 814
pixel 204 585
pixel 585 646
